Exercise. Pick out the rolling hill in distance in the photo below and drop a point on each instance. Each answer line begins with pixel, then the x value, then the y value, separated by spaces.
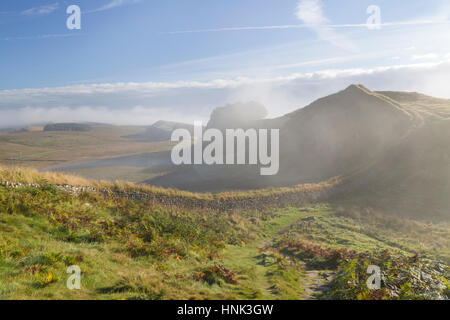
pixel 382 147
pixel 385 146
pixel 160 131
pixel 213 153
pixel 364 180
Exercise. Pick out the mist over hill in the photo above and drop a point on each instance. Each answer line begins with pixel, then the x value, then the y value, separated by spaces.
pixel 395 143
pixel 237 115
pixel 389 149
pixel 161 131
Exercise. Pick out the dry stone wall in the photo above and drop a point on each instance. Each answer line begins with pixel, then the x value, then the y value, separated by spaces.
pixel 289 198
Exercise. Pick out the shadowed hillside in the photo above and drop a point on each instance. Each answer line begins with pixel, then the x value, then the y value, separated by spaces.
pixel 340 133
pixel 412 178
pixel 333 136
pixel 390 147
pixel 67 127
pixel 170 251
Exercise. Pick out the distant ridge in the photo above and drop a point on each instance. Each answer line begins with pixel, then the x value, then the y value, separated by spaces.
pixel 161 131
pixel 332 136
pixel 390 148
pixel 67 127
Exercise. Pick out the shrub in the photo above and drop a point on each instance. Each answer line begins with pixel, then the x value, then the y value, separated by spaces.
pixel 216 274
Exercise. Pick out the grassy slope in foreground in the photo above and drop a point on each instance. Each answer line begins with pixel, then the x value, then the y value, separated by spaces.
pixel 139 250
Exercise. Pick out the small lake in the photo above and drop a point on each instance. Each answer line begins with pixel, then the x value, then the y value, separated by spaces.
pixel 138 160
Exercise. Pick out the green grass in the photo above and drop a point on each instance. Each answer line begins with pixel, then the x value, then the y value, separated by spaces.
pixel 128 250
pixel 368 230
pixel 295 193
pixel 143 250
pixel 113 241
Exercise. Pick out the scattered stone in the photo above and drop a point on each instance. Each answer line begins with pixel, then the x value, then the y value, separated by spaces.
pixel 254 220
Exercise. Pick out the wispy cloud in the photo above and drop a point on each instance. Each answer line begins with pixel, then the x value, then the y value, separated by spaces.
pixel 293 26
pixel 42 36
pixel 114 4
pixel 144 103
pixel 304 26
pixel 427 56
pixel 311 14
pixel 42 10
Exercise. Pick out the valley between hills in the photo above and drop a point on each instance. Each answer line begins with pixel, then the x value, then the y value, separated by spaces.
pixel 364 180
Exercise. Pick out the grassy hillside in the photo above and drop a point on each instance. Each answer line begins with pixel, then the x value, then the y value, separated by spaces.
pixel 335 135
pixel 412 179
pixel 390 148
pixel 341 133
pixel 139 249
pixel 383 158
pixel 430 108
pixel 53 149
pixel 41 149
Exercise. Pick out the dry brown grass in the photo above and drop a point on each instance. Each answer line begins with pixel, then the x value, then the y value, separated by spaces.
pixel 41 149
pixel 32 176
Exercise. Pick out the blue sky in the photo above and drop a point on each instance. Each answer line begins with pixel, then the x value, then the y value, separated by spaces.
pixel 195 52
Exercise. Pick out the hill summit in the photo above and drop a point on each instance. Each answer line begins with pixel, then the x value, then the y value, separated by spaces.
pixel 379 142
